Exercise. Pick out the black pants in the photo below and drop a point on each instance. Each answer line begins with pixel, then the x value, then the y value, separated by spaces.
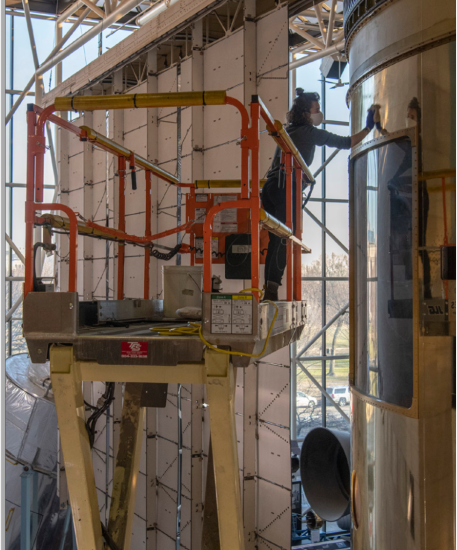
pixel 274 202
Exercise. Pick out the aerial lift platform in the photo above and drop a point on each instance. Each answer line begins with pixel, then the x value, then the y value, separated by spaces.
pixel 115 341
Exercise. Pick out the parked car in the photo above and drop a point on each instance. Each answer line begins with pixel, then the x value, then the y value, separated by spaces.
pixel 340 394
pixel 304 400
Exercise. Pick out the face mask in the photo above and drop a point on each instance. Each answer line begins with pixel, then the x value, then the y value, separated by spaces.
pixel 410 123
pixel 317 118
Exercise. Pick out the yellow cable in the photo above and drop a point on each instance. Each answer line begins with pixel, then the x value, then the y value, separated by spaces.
pixel 196 328
pixel 9 518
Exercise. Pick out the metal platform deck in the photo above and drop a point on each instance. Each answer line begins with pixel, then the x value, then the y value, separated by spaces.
pixel 55 318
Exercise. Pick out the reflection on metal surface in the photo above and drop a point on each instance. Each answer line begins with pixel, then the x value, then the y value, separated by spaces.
pixel 383 193
pixel 403 58
pixel 30 441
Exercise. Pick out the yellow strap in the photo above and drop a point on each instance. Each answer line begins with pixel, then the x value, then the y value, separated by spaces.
pixel 196 328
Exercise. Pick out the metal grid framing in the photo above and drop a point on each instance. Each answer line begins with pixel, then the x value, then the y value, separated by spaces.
pixel 303 354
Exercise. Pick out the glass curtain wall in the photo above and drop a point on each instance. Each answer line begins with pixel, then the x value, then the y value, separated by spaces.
pixel 322 354
pixel 19 68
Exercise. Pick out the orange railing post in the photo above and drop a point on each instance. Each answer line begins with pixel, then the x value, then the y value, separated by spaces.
pixel 298 234
pixel 73 254
pixel 121 227
pixel 289 214
pixel 30 198
pixel 255 195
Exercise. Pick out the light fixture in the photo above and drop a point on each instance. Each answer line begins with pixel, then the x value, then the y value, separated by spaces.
pixel 154 12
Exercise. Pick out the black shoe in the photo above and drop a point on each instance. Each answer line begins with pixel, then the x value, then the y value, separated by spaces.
pixel 271 291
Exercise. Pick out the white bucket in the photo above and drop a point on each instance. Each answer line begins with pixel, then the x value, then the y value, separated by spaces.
pixel 182 287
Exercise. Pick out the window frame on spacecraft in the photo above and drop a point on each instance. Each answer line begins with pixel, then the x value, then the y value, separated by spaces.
pixel 356 154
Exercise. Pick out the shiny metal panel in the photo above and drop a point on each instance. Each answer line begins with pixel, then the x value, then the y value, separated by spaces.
pixel 403 467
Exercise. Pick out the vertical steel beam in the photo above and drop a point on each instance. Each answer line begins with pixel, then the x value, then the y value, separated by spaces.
pixel 250 413
pixel 88 244
pixel 67 389
pixel 197 136
pixel 250 51
pixel 151 413
pixel 64 187
pixel 10 192
pixel 151 478
pixel 116 133
pixel 197 112
pixel 152 155
pixel 293 390
pixel 117 416
pixel 127 466
pixel 121 171
pixel 179 480
pixel 221 397
pixel 26 508
pixel 324 249
pixel 197 464
pixel 34 509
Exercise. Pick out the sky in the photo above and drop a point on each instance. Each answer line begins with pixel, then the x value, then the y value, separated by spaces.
pixel 44 33
pixel 309 78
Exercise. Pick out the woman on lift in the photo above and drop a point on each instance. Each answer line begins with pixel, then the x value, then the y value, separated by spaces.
pixel 302 120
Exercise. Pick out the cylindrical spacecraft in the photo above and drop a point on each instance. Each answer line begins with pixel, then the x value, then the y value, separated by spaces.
pixel 402 264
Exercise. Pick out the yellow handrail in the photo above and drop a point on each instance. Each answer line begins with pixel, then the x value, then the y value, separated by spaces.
pixel 210 184
pixel 278 228
pixel 120 150
pixel 139 101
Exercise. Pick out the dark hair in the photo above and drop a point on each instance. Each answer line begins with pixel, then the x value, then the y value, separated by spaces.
pixel 299 113
pixel 414 104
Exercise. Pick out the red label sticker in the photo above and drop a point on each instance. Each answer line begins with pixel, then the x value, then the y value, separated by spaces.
pixel 134 350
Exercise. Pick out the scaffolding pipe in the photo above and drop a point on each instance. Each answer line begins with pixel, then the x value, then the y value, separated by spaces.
pixel 15 248
pixel 336 48
pixel 94 31
pixel 16 304
pixel 318 43
pixel 94 8
pixel 330 24
pixel 69 11
pixel 323 329
pixel 55 50
pixel 324 393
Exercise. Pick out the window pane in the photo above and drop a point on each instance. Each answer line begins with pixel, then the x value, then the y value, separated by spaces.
pixel 337 222
pixel 24 67
pixel 18 342
pixel 18 209
pixel 309 401
pixel 7 339
pixel 383 190
pixel 312 293
pixel 8 54
pixel 337 377
pixel 20 141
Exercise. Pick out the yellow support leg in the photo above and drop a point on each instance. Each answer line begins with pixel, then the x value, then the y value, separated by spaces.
pixel 127 466
pixel 220 384
pixel 67 389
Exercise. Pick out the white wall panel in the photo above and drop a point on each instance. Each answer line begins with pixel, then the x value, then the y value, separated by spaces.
pixel 222 124
pixel 274 504
pixel 272 75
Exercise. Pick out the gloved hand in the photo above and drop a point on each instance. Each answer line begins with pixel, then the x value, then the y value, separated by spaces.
pixel 370 118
